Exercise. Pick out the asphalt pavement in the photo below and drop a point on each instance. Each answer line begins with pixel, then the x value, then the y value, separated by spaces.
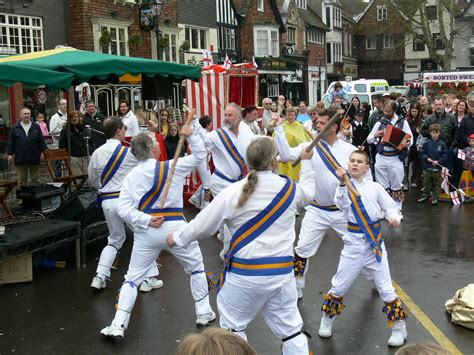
pixel 431 256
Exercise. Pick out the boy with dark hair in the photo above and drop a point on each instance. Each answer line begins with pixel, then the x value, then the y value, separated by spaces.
pixel 434 155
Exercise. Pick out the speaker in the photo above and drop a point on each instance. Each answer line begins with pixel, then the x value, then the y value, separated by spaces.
pixel 81 207
pixel 157 87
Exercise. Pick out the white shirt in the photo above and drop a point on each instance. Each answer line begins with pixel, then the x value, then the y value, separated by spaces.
pixel 250 127
pixel 372 139
pixel 140 180
pixel 278 239
pixel 222 160
pixel 326 182
pixel 131 122
pixel 56 124
pixel 26 127
pixel 99 160
pixel 375 199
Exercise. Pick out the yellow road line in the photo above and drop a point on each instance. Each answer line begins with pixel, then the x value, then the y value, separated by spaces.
pixel 426 321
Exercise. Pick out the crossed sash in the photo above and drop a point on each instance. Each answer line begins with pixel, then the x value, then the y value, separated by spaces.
pixel 370 229
pixel 148 200
pixel 232 150
pixel 109 171
pixel 251 230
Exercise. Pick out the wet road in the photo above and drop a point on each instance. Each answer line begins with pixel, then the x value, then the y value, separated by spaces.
pixel 431 256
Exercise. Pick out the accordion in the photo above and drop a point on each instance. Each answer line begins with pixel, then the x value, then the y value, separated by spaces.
pixel 395 137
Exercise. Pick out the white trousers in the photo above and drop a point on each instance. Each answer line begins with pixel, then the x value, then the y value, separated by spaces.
pixel 315 224
pixel 243 297
pixel 115 240
pixel 356 256
pixel 147 245
pixel 389 172
pixel 217 185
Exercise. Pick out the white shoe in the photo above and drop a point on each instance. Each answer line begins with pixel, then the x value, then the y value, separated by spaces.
pixel 98 283
pixel 398 336
pixel 195 200
pixel 325 327
pixel 151 284
pixel 205 319
pixel 114 331
pixel 299 291
pixel 220 237
pixel 401 216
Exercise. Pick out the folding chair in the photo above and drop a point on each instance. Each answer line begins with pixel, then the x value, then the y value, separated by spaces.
pixel 52 155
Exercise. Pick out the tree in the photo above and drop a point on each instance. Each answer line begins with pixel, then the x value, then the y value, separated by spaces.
pixel 434 24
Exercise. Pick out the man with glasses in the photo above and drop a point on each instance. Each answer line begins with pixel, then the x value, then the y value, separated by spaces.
pixel 108 167
pixel 303 114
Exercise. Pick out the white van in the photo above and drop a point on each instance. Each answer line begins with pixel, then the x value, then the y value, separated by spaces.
pixel 364 89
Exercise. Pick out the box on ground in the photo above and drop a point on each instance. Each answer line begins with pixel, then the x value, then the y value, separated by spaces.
pixel 19 269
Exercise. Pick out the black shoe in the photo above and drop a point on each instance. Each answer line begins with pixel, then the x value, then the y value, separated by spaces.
pixel 434 201
pixel 423 199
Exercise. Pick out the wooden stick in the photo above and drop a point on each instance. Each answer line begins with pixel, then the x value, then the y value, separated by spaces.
pixel 191 114
pixel 334 119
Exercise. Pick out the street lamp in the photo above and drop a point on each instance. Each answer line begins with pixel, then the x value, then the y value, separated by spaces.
pixel 156 8
pixel 149 15
pixel 319 62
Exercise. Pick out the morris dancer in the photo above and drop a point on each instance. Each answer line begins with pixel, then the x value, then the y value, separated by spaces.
pixel 138 205
pixel 260 213
pixel 364 247
pixel 228 146
pixel 389 170
pixel 321 215
pixel 109 165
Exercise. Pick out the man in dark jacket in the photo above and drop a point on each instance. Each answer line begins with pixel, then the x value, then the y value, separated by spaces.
pixel 27 144
pixel 93 119
pixel 445 120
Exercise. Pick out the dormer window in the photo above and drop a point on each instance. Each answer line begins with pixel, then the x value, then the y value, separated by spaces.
pixel 301 4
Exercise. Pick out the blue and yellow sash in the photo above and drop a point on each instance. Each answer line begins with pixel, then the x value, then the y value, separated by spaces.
pixel 370 229
pixel 330 208
pixel 252 229
pixel 106 196
pixel 169 214
pixel 322 151
pixel 231 149
pixel 148 200
pixel 113 164
pixel 262 266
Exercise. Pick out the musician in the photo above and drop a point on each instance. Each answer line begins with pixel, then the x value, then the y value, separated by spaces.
pixel 139 205
pixel 247 203
pixel 321 215
pixel 363 249
pixel 108 167
pixel 389 170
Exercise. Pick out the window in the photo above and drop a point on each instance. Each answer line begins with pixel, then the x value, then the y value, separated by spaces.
pixel 371 42
pixel 431 13
pixel 381 12
pixel 260 5
pixel 328 53
pixel 196 37
pixel 336 17
pixel 266 41
pixel 292 35
pixel 437 41
pixel 226 38
pixel 337 52
pixel 273 89
pixel 301 4
pixel 119 40
pixel 170 53
pixel 21 34
pixel 315 36
pixel 328 17
pixel 347 43
pixel 418 45
pixel 388 41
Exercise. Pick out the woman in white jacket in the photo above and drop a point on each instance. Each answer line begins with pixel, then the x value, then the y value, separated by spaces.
pixel 128 119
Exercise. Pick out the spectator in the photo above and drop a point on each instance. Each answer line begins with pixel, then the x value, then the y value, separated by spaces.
pixel 320 105
pixel 40 121
pixel 94 120
pixel 461 111
pixel 290 103
pixel 165 121
pixel 249 117
pixel 434 155
pixel 206 123
pixel 360 131
pixel 274 107
pixel 267 112
pixel 468 163
pixel 426 111
pixel 303 114
pixel 466 128
pixel 423 100
pixel 448 99
pixel 214 341
pixel 58 121
pixel 414 120
pixel 153 127
pixel 128 119
pixel 78 153
pixel 172 140
pixel 354 106
pixel 26 144
pixel 310 125
pixel 281 105
pixel 366 108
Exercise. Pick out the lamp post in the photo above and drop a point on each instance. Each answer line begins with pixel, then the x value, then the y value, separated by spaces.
pixel 156 8
pixel 319 63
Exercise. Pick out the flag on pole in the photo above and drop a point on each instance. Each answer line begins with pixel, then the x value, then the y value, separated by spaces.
pixel 461 155
pixel 444 186
pixel 227 63
pixel 455 198
pixel 206 58
pixel 254 63
pixel 445 173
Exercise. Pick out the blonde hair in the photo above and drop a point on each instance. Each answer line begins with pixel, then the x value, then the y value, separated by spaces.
pixel 214 341
pixel 260 154
pixel 423 349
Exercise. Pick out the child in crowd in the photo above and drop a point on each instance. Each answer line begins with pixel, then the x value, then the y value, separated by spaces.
pixel 426 111
pixel 42 124
pixel 364 248
pixel 434 156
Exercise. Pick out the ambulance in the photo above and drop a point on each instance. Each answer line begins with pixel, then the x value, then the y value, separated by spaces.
pixel 364 89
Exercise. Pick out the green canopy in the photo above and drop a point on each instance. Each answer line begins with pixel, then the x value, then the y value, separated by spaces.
pixel 96 67
pixel 33 77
